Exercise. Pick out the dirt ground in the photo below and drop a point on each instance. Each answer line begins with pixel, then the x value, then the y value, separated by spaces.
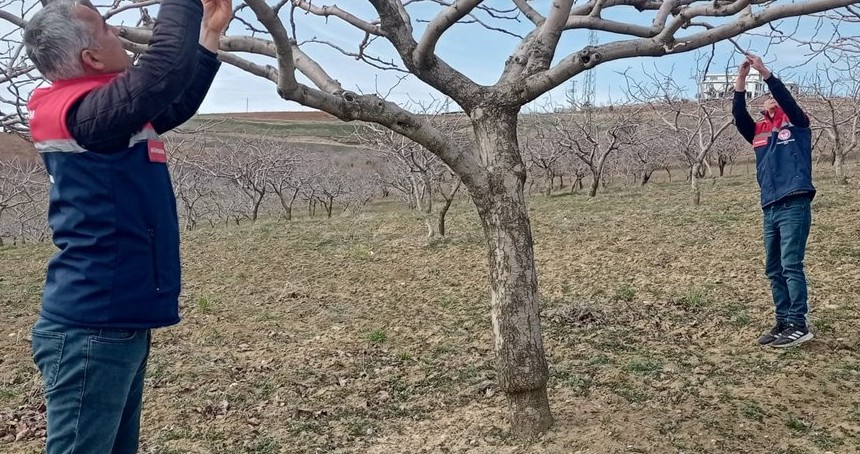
pixel 356 334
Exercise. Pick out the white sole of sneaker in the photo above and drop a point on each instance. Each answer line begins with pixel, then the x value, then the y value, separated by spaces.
pixel 805 338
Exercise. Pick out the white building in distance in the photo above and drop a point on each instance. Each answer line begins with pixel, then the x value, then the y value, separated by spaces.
pixel 719 85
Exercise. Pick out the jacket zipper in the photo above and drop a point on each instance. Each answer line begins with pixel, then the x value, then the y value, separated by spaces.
pixel 154 259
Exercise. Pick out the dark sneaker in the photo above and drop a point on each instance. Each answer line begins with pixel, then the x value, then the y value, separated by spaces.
pixel 772 335
pixel 791 336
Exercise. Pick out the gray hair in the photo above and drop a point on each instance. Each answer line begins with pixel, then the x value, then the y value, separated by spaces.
pixel 55 38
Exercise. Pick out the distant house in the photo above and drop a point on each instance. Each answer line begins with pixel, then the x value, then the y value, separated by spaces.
pixel 715 86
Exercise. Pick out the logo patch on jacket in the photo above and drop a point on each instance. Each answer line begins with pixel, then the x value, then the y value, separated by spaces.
pixel 157 153
pixel 785 134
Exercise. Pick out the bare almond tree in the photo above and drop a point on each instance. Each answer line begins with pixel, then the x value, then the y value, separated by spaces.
pixel 330 184
pixel 592 135
pixel 412 170
pixel 248 164
pixel 193 177
pixel 834 105
pixel 649 153
pixel 22 195
pixel 288 175
pixel 17 75
pixel 544 155
pixel 692 127
pixel 493 172
pixel 727 149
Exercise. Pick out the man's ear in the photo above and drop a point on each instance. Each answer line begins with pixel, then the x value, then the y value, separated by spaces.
pixel 91 61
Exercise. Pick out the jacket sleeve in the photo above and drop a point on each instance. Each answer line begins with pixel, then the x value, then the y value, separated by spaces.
pixel 743 120
pixel 106 118
pixel 184 107
pixel 786 102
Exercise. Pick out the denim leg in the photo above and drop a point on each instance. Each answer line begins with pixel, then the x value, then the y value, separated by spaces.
pixel 128 435
pixel 88 375
pixel 795 219
pixel 773 267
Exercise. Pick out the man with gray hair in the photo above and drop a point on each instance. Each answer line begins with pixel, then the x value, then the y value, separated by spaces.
pixel 112 209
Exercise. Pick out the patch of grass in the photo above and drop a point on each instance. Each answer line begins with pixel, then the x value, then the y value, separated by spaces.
pixel 855 413
pixel 377 336
pixel 268 317
pixel 566 289
pixel 798 425
pixel 264 444
pixel 823 325
pixel 644 365
pixel 299 426
pixel 324 243
pixel 581 384
pixel 8 394
pixel 752 410
pixel 265 390
pixel 740 320
pixel 695 298
pixel 404 357
pixel 599 360
pixel 204 304
pixel 826 441
pixel 446 301
pixel 361 427
pixel 625 293
pixel 632 395
pixel 363 252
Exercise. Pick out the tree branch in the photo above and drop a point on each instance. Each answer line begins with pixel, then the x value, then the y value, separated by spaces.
pixel 666 43
pixel 440 24
pixel 326 11
pixel 529 12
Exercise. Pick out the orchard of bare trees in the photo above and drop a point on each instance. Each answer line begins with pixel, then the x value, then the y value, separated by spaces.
pixel 488 151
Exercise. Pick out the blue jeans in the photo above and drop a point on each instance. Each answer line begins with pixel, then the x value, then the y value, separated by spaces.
pixel 93 386
pixel 786 228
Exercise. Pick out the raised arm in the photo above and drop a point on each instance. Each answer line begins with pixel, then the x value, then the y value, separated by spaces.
pixel 780 93
pixel 106 118
pixel 216 16
pixel 743 121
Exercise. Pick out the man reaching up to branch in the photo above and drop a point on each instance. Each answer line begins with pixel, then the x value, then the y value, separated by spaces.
pixel 112 209
pixel 783 151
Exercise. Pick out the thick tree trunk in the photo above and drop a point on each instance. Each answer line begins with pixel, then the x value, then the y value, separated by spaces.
pixel 839 163
pixel 521 364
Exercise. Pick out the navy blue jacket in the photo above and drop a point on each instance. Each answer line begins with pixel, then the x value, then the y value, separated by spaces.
pixel 112 209
pixel 782 144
